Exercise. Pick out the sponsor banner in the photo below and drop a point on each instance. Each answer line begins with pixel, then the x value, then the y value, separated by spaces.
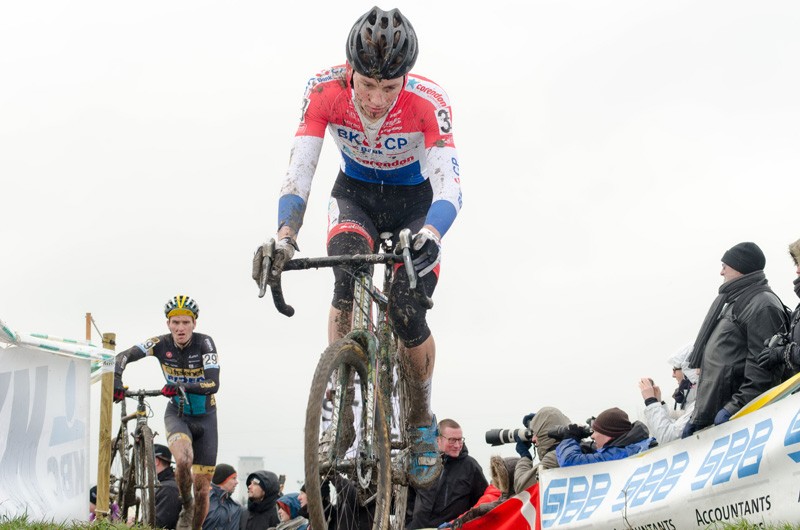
pixel 44 435
pixel 745 469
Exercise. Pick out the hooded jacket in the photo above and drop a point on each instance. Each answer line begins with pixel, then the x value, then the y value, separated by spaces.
pixel 526 473
pixel 224 513
pixel 168 500
pixel 637 440
pixel 295 522
pixel 498 491
pixel 260 515
pixel 458 488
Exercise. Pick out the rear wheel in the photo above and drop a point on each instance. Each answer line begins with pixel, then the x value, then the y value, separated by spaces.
pixel 119 479
pixel 347 462
pixel 146 476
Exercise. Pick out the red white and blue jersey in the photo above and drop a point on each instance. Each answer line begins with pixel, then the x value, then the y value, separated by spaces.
pixel 413 144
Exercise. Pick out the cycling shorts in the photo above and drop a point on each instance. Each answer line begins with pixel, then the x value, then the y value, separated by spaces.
pixel 358 213
pixel 200 430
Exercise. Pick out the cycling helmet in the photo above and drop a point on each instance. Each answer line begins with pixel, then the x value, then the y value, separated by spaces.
pixel 181 305
pixel 382 44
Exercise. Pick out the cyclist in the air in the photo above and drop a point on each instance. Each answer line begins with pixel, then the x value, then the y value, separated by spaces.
pixel 188 360
pixel 399 169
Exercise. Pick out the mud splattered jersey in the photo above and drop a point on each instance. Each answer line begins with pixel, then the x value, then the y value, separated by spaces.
pixel 413 144
pixel 196 367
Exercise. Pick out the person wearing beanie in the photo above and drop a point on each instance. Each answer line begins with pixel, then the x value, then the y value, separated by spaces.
pixel 614 436
pixel 666 424
pixel 168 498
pixel 263 491
pixel 224 513
pixel 782 355
pixel 743 317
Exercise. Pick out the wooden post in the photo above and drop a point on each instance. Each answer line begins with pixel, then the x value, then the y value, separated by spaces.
pixel 104 454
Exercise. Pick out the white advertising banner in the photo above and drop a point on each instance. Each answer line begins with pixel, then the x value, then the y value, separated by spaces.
pixel 745 469
pixel 44 435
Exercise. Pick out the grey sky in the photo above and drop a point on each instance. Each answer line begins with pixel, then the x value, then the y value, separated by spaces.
pixel 610 152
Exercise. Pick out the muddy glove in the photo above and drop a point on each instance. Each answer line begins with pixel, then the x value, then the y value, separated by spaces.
pixel 426 251
pixel 284 251
pixel 119 390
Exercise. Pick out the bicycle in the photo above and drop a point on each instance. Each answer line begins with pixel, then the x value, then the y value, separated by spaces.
pixel 133 468
pixel 367 458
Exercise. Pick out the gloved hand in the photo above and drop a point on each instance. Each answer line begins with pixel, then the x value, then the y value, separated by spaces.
pixel 426 251
pixel 526 420
pixel 722 416
pixel 169 391
pixel 573 430
pixel 445 525
pixel 284 251
pixel 523 449
pixel 119 390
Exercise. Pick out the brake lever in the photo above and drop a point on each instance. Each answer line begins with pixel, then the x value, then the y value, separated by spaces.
pixel 266 265
pixel 405 246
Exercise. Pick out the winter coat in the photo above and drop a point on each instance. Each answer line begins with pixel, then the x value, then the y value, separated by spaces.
pixel 296 522
pixel 500 489
pixel 570 453
pixel 526 473
pixel 168 500
pixel 224 513
pixel 730 376
pixel 459 486
pixel 661 422
pixel 263 514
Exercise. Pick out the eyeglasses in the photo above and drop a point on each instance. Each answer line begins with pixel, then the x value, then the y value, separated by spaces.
pixel 453 441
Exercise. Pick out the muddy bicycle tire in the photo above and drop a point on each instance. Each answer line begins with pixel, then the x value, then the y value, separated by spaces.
pixel 146 476
pixel 119 479
pixel 332 459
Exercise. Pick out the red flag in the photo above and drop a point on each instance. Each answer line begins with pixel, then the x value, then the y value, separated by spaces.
pixel 520 512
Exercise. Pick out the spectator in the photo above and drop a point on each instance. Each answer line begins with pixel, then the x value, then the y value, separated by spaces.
pixel 113 509
pixel 540 424
pixel 263 491
pixel 456 490
pixel 745 314
pixel 664 424
pixel 499 490
pixel 615 438
pixel 346 513
pixel 289 513
pixel 168 497
pixel 224 513
pixel 783 355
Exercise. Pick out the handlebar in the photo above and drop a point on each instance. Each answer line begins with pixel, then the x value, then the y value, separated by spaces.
pixel 141 393
pixel 385 258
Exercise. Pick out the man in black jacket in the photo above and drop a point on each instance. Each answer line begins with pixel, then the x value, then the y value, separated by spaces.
pixel 168 497
pixel 457 489
pixel 263 490
pixel 744 315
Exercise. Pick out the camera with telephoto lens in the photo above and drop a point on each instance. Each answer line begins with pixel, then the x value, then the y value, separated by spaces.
pixel 508 436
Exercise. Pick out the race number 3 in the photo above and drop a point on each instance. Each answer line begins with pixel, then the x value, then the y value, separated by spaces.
pixel 443 117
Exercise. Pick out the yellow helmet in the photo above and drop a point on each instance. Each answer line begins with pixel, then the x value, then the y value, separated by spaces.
pixel 181 305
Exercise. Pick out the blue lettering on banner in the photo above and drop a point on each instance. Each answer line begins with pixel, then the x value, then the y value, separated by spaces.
pixel 575 498
pixel 739 452
pixel 350 136
pixel 652 482
pixel 793 437
pixel 395 143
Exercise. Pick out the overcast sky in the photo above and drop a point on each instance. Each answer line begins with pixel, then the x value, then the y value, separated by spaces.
pixel 610 152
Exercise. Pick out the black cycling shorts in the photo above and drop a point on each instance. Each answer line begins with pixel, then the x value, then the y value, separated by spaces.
pixel 200 430
pixel 358 213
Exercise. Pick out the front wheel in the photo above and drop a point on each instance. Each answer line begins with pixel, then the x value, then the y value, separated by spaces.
pixel 347 461
pixel 146 477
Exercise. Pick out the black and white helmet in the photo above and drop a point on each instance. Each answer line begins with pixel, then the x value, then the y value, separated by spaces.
pixel 382 44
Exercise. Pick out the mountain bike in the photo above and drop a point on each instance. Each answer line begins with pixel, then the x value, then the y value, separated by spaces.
pixel 133 467
pixel 355 443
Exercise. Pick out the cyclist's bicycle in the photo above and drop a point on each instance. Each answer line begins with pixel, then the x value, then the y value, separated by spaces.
pixel 133 468
pixel 355 446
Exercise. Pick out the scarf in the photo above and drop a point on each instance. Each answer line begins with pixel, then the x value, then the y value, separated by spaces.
pixel 728 293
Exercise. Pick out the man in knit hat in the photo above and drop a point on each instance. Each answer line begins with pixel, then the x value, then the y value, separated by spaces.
pixel 782 355
pixel 614 436
pixel 224 513
pixel 744 315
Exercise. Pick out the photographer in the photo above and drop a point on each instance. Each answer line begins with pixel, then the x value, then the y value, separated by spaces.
pixel 526 474
pixel 614 436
